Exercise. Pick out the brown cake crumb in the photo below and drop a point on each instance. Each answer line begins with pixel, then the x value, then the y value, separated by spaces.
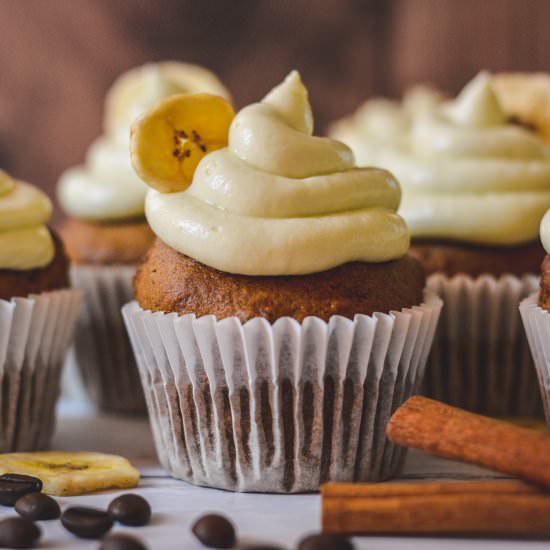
pixel 172 282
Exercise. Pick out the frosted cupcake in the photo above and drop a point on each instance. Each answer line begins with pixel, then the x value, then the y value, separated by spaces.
pixel 475 188
pixel 535 312
pixel 37 316
pixel 106 234
pixel 279 319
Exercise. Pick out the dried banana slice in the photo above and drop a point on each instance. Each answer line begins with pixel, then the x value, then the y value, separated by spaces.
pixel 169 141
pixel 526 97
pixel 68 474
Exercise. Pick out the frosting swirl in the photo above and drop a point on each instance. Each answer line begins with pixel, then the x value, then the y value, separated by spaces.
pixel 106 187
pixel 279 201
pixel 469 175
pixel 25 242
pixel 545 231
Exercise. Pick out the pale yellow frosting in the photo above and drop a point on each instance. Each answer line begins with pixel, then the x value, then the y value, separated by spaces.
pixel 25 242
pixel 467 174
pixel 106 187
pixel 545 231
pixel 279 201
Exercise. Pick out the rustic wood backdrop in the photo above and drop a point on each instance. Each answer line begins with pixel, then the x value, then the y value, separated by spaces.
pixel 58 57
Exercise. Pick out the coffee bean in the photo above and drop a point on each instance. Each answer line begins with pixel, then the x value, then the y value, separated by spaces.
pixel 18 533
pixel 87 523
pixel 37 507
pixel 215 531
pixel 325 542
pixel 130 509
pixel 122 542
pixel 14 486
pixel 260 547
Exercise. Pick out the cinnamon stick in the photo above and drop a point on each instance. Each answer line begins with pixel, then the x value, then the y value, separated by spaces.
pixel 453 433
pixel 494 508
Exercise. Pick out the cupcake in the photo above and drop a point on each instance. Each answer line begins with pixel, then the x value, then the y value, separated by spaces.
pixel 106 234
pixel 37 316
pixel 535 313
pixel 279 319
pixel 475 187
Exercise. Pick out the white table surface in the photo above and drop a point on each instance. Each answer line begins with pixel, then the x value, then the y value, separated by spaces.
pixel 278 519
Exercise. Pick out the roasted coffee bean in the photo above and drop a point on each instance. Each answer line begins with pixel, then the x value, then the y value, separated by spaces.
pixel 325 542
pixel 87 523
pixel 130 509
pixel 37 507
pixel 215 531
pixel 14 486
pixel 18 533
pixel 122 542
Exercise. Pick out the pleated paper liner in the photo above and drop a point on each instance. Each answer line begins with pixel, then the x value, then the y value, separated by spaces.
pixel 35 333
pixel 536 321
pixel 102 349
pixel 480 358
pixel 279 407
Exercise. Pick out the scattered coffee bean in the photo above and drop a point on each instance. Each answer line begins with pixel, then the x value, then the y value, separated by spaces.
pixel 14 486
pixel 18 533
pixel 87 523
pixel 130 509
pixel 37 507
pixel 122 542
pixel 215 531
pixel 325 542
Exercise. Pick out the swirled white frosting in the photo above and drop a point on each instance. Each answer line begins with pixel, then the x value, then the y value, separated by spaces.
pixel 25 241
pixel 106 187
pixel 469 175
pixel 278 201
pixel 545 231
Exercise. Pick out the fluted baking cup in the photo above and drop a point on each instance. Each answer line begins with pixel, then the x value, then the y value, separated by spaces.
pixel 480 358
pixel 279 407
pixel 101 349
pixel 35 333
pixel 536 321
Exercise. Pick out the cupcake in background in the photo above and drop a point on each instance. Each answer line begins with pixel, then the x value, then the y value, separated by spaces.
pixel 279 319
pixel 535 313
pixel 38 311
pixel 475 187
pixel 106 233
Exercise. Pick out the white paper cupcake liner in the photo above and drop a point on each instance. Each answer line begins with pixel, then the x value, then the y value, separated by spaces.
pixel 480 358
pixel 102 349
pixel 536 321
pixel 279 407
pixel 35 333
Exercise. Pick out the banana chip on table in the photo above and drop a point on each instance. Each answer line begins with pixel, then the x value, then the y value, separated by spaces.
pixel 526 97
pixel 69 474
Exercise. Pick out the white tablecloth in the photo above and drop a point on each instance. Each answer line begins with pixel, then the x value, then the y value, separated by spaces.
pixel 278 519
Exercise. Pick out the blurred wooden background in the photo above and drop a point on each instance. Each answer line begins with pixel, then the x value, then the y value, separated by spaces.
pixel 58 57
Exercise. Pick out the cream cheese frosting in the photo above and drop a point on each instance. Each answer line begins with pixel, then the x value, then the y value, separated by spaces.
pixel 105 187
pixel 545 231
pixel 469 175
pixel 25 241
pixel 279 201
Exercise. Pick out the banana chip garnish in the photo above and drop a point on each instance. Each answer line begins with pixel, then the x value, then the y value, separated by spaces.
pixel 69 474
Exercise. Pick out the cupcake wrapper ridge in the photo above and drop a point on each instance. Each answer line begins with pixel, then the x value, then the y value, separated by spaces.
pixel 480 358
pixel 102 350
pixel 35 333
pixel 278 407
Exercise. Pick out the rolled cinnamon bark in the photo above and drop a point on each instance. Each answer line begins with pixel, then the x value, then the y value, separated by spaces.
pixel 453 433
pixel 495 508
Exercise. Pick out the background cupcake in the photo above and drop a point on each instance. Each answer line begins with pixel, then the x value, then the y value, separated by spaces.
pixel 535 313
pixel 106 234
pixel 475 187
pixel 37 316
pixel 264 329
